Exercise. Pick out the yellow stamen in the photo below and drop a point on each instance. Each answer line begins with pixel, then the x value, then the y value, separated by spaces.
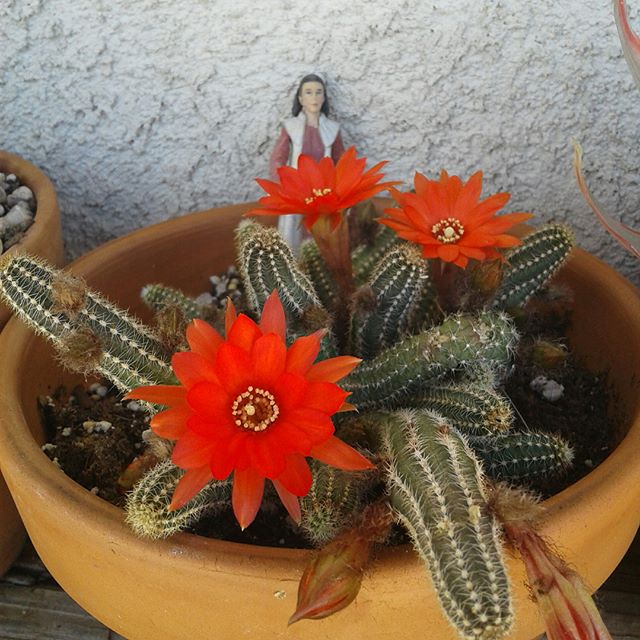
pixel 448 230
pixel 255 409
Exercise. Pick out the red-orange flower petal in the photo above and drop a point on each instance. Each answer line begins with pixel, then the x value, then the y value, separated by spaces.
pixel 189 485
pixel 290 501
pixel 303 352
pixel 450 222
pixel 273 318
pixel 203 338
pixel 339 454
pixel 317 189
pixel 332 369
pixel 165 394
pixel 171 423
pixel 248 487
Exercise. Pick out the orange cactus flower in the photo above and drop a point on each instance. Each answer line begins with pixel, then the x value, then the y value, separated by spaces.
pixel 450 221
pixel 247 404
pixel 317 189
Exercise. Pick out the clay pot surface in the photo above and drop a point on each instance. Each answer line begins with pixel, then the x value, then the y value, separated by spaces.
pixel 198 588
pixel 43 238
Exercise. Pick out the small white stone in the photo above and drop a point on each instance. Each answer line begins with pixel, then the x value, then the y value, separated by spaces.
pixel 88 426
pixel 102 426
pixel 48 447
pixel 94 490
pixel 66 432
pixel 134 406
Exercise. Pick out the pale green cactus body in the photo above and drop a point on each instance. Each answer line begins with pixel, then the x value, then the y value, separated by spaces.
pixel 335 497
pixel 158 297
pixel 131 356
pixel 435 485
pixel 315 267
pixel 460 341
pixel 267 263
pixel 399 284
pixel 365 258
pixel 146 510
pixel 529 265
pixel 522 456
pixel 471 408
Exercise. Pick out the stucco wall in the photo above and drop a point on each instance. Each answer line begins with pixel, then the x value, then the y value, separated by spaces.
pixel 143 110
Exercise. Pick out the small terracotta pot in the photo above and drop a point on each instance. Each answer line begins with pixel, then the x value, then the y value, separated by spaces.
pixel 43 238
pixel 197 588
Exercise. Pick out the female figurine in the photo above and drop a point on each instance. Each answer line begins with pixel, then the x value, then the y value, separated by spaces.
pixel 310 131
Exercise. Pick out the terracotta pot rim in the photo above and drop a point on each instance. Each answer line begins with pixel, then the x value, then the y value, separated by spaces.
pixel 24 459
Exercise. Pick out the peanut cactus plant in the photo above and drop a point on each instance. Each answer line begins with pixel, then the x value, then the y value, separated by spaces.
pixel 433 428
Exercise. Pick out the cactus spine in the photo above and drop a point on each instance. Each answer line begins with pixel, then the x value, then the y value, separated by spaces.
pixel 148 503
pixel 467 406
pixel 436 489
pixel 399 285
pixel 160 297
pixel 531 264
pixel 58 306
pixel 267 263
pixel 460 341
pixel 335 497
pixel 364 258
pixel 519 457
pixel 315 267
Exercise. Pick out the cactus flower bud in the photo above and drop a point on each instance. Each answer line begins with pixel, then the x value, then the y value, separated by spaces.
pixel 332 580
pixel 564 602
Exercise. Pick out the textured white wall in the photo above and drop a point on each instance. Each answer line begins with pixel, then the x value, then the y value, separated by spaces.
pixel 142 110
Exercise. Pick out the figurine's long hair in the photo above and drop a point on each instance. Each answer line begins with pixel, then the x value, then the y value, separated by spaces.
pixel 311 77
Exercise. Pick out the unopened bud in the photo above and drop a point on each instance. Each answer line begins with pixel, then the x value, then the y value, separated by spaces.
pixel 332 580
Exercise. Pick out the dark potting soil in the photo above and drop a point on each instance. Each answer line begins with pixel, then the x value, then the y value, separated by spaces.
pixel 94 435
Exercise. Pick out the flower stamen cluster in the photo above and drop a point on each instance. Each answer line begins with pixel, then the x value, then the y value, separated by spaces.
pixel 318 193
pixel 448 230
pixel 255 409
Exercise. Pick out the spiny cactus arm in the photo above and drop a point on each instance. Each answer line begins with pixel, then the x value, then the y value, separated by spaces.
pixel 436 489
pixel 315 267
pixel 531 264
pixel 365 257
pixel 335 497
pixel 469 407
pixel 267 263
pixel 58 305
pixel 158 297
pixel 518 457
pixel 397 285
pixel 461 341
pixel 146 510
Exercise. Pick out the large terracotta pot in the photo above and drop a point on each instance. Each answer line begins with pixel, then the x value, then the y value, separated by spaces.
pixel 43 238
pixel 197 588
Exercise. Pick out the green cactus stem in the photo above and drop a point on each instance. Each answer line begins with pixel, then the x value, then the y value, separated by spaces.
pixel 267 263
pixel 471 408
pixel 335 498
pixel 365 257
pixel 146 510
pixel 461 341
pixel 436 488
pixel 159 297
pixel 522 456
pixel 531 264
pixel 54 304
pixel 399 284
pixel 321 278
